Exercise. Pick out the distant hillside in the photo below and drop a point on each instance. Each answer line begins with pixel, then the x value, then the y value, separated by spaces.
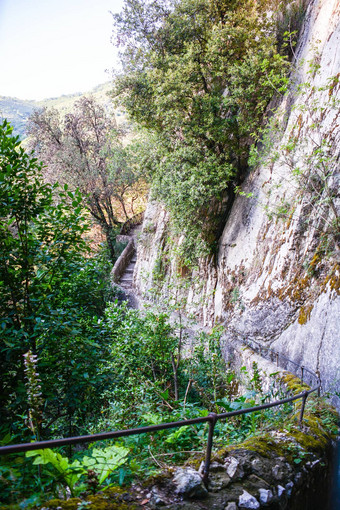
pixel 17 111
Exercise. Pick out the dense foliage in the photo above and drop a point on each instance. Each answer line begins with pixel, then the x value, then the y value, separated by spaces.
pixel 67 367
pixel 74 364
pixel 51 291
pixel 142 393
pixel 198 76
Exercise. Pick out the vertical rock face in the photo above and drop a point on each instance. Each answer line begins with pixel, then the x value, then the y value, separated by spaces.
pixel 276 280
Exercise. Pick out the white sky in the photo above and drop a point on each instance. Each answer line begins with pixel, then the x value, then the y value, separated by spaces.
pixel 54 47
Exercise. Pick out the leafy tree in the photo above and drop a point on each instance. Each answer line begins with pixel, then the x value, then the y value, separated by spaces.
pixel 129 176
pixel 83 149
pixel 45 306
pixel 199 75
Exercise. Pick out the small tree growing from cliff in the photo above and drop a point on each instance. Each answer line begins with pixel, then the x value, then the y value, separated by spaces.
pixel 309 157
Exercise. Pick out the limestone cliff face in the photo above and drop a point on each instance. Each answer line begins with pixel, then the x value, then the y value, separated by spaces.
pixel 275 279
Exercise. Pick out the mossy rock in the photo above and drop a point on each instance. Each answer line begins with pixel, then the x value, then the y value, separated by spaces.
pixel 69 504
pixel 294 384
pixel 114 498
pixel 106 502
pixel 265 445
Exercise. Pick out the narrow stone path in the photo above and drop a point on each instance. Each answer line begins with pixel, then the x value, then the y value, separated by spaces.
pixel 126 280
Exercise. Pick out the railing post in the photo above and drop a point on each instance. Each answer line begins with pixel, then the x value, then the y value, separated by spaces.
pixel 319 388
pixel 304 398
pixel 302 368
pixel 319 382
pixel 212 422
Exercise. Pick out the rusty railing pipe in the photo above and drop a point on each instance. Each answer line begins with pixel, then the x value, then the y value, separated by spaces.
pixel 212 422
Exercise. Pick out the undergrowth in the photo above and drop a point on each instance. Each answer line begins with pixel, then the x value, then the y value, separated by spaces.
pixel 144 395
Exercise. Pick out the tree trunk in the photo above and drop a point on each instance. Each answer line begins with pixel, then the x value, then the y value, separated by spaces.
pixel 111 241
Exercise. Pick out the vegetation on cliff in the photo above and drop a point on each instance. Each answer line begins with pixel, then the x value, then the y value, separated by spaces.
pixel 198 77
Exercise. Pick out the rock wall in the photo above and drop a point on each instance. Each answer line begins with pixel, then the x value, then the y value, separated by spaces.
pixel 273 280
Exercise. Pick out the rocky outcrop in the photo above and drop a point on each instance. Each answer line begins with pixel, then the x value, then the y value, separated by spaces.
pixel 276 275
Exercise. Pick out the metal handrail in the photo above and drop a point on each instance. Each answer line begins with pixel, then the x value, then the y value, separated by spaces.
pixel 212 418
pixel 135 220
pixel 268 352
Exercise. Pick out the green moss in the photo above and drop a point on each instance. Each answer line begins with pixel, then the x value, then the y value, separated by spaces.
pixel 332 280
pixel 115 491
pixel 309 442
pixel 158 478
pixel 314 262
pixel 294 384
pixel 265 445
pixel 319 423
pixel 110 499
pixel 69 504
pixel 304 314
pixel 106 502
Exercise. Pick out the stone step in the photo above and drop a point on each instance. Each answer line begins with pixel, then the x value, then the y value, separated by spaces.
pixel 126 278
